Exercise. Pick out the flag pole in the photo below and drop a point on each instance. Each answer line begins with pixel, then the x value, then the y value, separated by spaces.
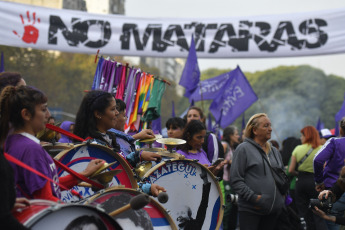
pixel 275 133
pixel 202 98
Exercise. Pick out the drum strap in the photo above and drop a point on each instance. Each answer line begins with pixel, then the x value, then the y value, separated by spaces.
pixel 79 176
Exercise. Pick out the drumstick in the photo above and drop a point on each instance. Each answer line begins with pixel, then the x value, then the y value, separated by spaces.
pixel 162 197
pixel 135 203
pixel 84 184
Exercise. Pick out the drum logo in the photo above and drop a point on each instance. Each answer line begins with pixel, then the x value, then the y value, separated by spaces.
pixel 172 167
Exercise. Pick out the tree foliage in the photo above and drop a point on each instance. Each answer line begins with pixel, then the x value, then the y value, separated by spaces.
pixel 293 97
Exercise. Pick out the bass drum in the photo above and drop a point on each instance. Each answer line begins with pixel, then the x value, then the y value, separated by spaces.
pixel 195 198
pixel 78 158
pixel 153 216
pixel 43 215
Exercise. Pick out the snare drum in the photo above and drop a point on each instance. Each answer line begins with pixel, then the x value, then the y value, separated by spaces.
pixel 56 148
pixel 153 216
pixel 43 215
pixel 195 197
pixel 78 158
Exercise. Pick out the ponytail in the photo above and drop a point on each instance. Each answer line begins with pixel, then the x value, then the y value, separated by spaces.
pixel 5 101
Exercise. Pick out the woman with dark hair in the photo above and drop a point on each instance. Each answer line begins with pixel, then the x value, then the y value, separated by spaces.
pixel 11 78
pixel 259 200
pixel 25 109
pixel 97 114
pixel 302 160
pixel 175 127
pixel 124 140
pixel 230 142
pixel 211 145
pixel 194 134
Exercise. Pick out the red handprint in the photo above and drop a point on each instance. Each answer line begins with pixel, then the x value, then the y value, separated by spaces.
pixel 31 33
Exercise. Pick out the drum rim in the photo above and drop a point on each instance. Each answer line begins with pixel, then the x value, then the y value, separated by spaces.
pixel 156 203
pixel 221 211
pixel 164 152
pixel 58 145
pixel 117 156
pixel 52 207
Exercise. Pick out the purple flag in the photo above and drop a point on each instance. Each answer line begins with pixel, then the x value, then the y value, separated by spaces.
pixel 192 103
pixel 236 97
pixel 319 125
pixel 210 88
pixel 339 116
pixel 215 128
pixel 172 109
pixel 191 74
pixel 2 67
pixel 156 126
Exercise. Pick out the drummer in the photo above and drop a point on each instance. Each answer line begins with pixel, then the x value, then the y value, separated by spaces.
pixel 194 134
pixel 124 140
pixel 97 114
pixel 25 109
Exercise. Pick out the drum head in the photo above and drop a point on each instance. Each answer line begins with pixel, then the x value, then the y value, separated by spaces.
pixel 192 190
pixel 153 216
pixel 78 158
pixel 41 215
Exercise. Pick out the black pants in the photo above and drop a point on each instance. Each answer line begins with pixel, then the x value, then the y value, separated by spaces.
pixel 305 190
pixel 251 221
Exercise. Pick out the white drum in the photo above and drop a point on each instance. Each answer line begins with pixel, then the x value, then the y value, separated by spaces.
pixel 195 198
pixel 43 215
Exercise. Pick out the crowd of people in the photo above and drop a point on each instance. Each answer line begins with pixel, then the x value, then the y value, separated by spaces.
pixel 245 163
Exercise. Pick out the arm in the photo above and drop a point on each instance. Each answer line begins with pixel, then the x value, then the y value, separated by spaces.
pixel 144 134
pixel 68 181
pixel 320 158
pixel 212 148
pixel 292 167
pixel 45 193
pixel 237 172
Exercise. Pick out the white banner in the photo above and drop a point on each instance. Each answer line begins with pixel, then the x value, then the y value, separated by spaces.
pixel 312 33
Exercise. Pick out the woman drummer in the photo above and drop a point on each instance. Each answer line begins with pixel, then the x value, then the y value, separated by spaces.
pixel 97 114
pixel 194 134
pixel 124 140
pixel 25 109
pixel 212 146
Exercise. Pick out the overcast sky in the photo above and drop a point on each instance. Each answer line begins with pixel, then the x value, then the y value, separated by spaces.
pixel 330 64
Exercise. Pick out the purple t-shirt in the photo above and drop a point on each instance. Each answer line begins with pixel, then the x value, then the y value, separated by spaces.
pixel 31 153
pixel 200 155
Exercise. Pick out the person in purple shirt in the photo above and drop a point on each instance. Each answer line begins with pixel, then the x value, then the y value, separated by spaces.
pixel 332 152
pixel 24 109
pixel 194 134
pixel 212 146
pixel 67 126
